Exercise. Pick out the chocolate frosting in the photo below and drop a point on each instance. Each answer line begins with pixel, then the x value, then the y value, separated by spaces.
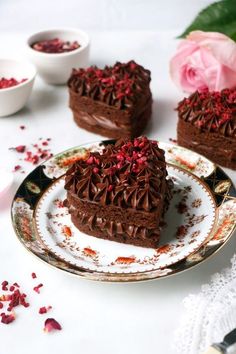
pixel 211 111
pixel 130 174
pixel 120 85
pixel 113 228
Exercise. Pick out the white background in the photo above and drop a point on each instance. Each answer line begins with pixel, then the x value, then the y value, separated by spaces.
pixel 97 318
pixel 17 15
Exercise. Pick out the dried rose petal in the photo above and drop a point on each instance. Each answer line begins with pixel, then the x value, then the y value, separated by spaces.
pixel 6 319
pixel 17 168
pixel 6 83
pixel 22 127
pixel 44 309
pixel 51 324
pixel 34 275
pixel 36 288
pixel 20 148
pixel 4 285
pixel 55 46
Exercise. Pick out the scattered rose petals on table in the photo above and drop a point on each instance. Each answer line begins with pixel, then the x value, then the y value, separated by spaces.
pixel 33 154
pixel 51 324
pixel 15 297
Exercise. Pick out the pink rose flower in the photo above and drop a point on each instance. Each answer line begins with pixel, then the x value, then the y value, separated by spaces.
pixel 204 60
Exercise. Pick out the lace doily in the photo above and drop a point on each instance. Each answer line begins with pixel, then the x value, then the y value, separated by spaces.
pixel 209 315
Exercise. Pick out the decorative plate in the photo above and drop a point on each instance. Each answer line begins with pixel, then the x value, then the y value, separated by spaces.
pixel 201 218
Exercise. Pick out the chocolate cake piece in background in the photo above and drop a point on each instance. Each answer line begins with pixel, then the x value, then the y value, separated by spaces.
pixel 115 101
pixel 122 193
pixel 207 125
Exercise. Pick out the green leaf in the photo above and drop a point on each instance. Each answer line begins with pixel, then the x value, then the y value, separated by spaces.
pixel 217 17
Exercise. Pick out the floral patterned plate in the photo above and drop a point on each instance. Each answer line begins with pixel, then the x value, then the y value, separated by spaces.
pixel 200 220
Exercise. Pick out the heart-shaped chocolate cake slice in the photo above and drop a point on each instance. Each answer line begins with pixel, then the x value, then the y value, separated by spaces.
pixel 122 193
pixel 115 101
pixel 207 125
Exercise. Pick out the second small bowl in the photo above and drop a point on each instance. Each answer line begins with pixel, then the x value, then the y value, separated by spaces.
pixel 55 68
pixel 13 98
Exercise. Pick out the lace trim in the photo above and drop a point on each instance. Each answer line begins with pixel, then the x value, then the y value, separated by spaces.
pixel 209 315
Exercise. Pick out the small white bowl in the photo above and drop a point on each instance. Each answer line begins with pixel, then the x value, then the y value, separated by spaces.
pixel 14 98
pixel 55 68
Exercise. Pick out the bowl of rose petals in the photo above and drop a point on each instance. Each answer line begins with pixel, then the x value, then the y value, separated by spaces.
pixel 56 52
pixel 16 83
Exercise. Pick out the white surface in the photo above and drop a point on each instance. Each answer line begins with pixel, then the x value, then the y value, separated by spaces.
pixel 210 315
pixel 97 318
pixel 56 68
pixel 99 14
pixel 6 179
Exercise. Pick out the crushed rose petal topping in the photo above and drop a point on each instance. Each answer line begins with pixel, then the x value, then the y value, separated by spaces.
pixel 6 83
pixel 55 46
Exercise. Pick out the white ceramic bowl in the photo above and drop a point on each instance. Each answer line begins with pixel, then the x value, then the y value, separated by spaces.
pixel 14 98
pixel 56 68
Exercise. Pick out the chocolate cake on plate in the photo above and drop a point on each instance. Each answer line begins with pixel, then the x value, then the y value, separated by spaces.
pixel 207 125
pixel 122 193
pixel 115 101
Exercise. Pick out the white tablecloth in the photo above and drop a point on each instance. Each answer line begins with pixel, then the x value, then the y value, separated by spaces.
pixel 96 317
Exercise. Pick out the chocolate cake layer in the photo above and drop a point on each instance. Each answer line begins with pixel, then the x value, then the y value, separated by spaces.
pixel 115 102
pixel 117 231
pixel 125 185
pixel 207 124
pixel 116 125
pixel 208 144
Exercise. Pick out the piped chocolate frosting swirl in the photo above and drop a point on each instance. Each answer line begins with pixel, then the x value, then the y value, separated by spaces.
pixel 120 85
pixel 211 111
pixel 129 174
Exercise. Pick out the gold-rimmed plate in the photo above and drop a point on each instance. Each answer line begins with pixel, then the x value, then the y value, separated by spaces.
pixel 204 224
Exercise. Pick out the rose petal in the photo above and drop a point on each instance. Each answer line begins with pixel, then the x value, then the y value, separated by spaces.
pixel 51 324
pixel 222 47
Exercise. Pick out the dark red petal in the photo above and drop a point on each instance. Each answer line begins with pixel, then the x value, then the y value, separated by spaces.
pixel 6 319
pixel 16 168
pixel 44 309
pixel 20 148
pixel 36 288
pixel 51 324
